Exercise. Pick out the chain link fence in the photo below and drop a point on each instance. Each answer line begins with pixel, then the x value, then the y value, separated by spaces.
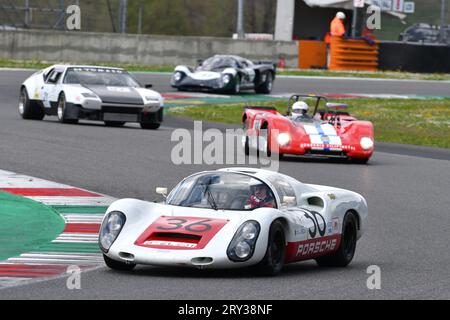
pixel 189 17
pixel 96 16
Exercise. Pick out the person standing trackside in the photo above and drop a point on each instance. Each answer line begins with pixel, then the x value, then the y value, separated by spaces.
pixel 337 29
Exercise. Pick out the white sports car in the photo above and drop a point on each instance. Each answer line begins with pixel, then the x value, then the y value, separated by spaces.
pixel 104 94
pixel 235 217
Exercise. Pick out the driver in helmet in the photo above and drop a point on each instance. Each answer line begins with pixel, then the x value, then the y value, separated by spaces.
pixel 261 197
pixel 300 110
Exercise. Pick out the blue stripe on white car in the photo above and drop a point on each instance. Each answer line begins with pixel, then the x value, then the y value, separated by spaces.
pixel 321 134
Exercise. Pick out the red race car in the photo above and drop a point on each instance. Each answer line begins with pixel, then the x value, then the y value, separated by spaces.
pixel 311 127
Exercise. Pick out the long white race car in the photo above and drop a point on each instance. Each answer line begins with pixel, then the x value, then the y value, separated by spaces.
pixel 235 217
pixel 104 94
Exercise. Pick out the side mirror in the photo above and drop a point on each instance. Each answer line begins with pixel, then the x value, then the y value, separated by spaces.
pixel 289 200
pixel 148 86
pixel 162 191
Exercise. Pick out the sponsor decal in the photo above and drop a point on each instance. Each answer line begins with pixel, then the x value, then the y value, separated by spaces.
pixel 300 231
pixel 327 146
pixel 330 227
pixel 98 70
pixel 310 249
pixel 316 247
pixel 335 223
pixel 118 89
pixel 332 196
pixel 326 140
pixel 170 244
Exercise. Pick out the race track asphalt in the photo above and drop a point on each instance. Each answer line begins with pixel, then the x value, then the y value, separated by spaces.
pixel 407 193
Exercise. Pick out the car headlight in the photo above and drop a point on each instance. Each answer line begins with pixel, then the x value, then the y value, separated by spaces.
pixel 283 139
pixel 226 78
pixel 366 143
pixel 89 95
pixel 177 76
pixel 110 229
pixel 242 246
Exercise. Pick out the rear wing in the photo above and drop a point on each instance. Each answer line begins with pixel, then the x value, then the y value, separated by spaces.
pixel 271 63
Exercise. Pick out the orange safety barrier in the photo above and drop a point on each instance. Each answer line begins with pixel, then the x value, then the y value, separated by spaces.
pixel 312 54
pixel 351 54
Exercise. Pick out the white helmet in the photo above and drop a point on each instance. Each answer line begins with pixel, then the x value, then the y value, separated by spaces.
pixel 340 15
pixel 299 106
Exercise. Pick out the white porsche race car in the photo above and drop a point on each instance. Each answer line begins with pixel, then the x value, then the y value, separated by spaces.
pixel 232 218
pixel 104 94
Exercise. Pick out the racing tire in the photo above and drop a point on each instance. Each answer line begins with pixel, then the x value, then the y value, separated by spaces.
pixel 267 137
pixel 117 265
pixel 29 110
pixel 150 125
pixel 114 123
pixel 273 260
pixel 62 110
pixel 267 86
pixel 344 255
pixel 236 89
pixel 246 147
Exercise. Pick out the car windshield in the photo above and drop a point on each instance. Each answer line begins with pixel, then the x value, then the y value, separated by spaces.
pixel 100 76
pixel 222 191
pixel 218 63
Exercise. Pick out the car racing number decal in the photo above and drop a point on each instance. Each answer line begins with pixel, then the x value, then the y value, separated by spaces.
pixel 312 215
pixel 181 223
pixel 180 232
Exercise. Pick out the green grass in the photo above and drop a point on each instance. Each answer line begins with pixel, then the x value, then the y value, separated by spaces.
pixel 34 64
pixel 374 75
pixel 417 122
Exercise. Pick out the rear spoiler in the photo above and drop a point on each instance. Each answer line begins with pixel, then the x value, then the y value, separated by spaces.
pixel 274 64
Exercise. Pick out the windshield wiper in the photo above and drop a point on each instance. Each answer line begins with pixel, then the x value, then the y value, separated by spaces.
pixel 210 198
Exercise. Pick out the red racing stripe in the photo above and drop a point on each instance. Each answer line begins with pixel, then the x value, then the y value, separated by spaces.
pixel 82 228
pixel 50 192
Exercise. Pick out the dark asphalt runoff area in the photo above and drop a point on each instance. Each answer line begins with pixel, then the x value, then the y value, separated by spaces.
pixel 407 193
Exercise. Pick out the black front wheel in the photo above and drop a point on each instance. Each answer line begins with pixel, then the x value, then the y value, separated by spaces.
pixel 344 255
pixel 117 265
pixel 28 109
pixel 62 110
pixel 273 261
pixel 267 85
pixel 236 89
pixel 246 146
